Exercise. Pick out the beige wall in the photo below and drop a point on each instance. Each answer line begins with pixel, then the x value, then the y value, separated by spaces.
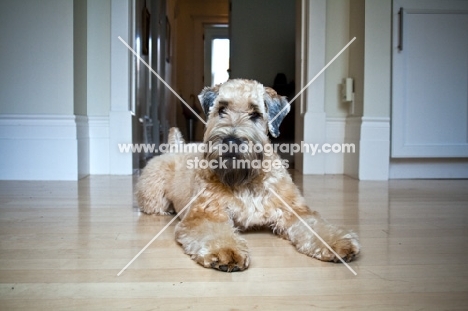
pixel 187 18
pixel 185 13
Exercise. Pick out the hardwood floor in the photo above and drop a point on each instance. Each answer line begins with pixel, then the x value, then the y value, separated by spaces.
pixel 63 243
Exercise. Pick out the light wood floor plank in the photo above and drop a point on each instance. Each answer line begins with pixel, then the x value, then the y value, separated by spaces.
pixel 62 244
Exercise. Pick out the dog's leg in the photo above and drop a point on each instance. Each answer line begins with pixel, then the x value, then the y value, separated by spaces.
pixel 207 234
pixel 150 189
pixel 344 242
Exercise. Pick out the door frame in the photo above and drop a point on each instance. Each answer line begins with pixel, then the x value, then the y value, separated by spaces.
pixel 211 32
pixel 199 22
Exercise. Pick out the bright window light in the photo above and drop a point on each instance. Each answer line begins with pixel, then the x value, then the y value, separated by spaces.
pixel 219 60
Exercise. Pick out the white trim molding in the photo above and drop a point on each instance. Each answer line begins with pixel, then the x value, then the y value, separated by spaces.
pixel 429 168
pixel 99 145
pixel 82 138
pixel 374 148
pixel 371 136
pixel 314 116
pixel 120 132
pixel 120 115
pixel 314 133
pixel 334 162
pixel 42 147
pixel 352 136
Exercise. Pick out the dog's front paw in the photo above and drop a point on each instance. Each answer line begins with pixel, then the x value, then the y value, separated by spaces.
pixel 227 259
pixel 346 246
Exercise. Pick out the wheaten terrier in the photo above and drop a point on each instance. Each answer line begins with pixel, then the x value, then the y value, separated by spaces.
pixel 238 179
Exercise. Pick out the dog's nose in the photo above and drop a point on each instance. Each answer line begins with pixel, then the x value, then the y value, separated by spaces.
pixel 230 148
pixel 232 140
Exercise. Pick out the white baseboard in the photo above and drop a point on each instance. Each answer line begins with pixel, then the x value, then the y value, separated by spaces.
pixel 315 133
pixel 40 147
pixel 334 162
pixel 82 137
pixel 99 145
pixel 374 151
pixel 120 132
pixel 371 137
pixel 352 136
pixel 348 131
pixel 428 168
pixel 62 147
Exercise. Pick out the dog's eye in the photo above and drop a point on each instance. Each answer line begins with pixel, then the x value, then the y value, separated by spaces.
pixel 222 111
pixel 255 116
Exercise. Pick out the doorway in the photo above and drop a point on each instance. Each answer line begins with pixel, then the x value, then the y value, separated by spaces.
pixel 216 54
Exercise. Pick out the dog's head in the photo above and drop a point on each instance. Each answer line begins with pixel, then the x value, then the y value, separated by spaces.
pixel 240 114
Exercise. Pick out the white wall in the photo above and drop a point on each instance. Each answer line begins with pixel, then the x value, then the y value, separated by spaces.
pixel 377 69
pixel 337 35
pixel 80 85
pixel 98 84
pixel 36 63
pixel 38 129
pixel 314 117
pixel 80 57
pixel 98 57
pixel 262 39
pixel 374 155
pixel 370 66
pixel 43 134
pixel 56 117
pixel 330 26
pixel 120 116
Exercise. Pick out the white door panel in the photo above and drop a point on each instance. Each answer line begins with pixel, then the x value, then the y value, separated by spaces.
pixel 430 79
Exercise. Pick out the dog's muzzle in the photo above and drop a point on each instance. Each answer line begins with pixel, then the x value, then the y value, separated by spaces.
pixel 234 157
pixel 231 147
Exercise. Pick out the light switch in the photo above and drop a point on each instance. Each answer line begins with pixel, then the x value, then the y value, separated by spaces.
pixel 347 90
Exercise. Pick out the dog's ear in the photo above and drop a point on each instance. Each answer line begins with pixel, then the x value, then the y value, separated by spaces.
pixel 277 107
pixel 207 98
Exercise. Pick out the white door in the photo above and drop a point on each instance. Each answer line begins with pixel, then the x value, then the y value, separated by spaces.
pixel 430 79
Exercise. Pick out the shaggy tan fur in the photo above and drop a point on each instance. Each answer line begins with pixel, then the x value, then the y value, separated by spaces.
pixel 236 199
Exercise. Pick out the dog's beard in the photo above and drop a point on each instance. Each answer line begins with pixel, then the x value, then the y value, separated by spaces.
pixel 234 174
pixel 234 168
